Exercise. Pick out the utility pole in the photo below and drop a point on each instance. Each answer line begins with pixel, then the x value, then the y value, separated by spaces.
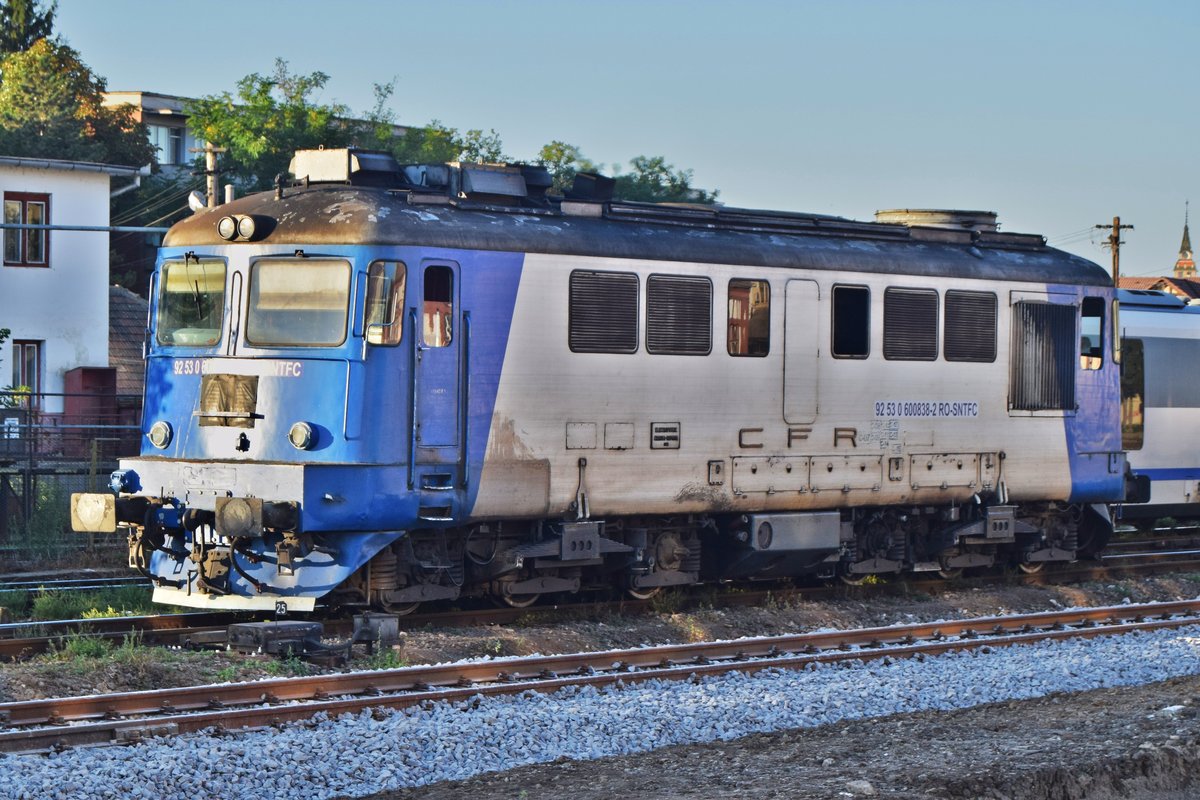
pixel 1114 241
pixel 210 170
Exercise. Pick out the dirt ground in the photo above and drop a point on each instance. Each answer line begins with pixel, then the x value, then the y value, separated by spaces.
pixel 1142 742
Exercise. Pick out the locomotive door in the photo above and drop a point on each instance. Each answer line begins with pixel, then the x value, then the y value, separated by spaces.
pixel 801 329
pixel 438 345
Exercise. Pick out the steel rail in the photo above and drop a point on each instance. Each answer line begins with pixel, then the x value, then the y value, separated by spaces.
pixel 262 702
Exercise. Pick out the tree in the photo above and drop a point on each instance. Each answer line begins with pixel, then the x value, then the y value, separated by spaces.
pixel 51 106
pixel 22 24
pixel 271 117
pixel 652 180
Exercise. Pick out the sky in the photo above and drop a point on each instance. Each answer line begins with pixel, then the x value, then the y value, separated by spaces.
pixel 1057 116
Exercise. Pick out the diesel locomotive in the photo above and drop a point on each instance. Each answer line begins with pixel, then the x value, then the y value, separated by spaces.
pixel 383 384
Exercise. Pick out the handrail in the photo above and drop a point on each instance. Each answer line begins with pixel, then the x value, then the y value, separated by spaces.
pixel 412 405
pixel 464 389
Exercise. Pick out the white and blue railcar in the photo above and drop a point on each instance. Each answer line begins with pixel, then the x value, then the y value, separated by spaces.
pixel 1160 401
pixel 383 385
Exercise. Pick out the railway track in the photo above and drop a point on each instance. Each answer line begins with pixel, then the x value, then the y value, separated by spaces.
pixel 43 725
pixel 1133 557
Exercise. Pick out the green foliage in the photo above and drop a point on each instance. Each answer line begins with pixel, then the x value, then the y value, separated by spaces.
pixel 51 107
pixel 653 180
pixel 117 602
pixel 564 161
pixel 79 646
pixel 386 658
pixel 16 601
pixel 270 118
pixel 22 24
pixel 291 666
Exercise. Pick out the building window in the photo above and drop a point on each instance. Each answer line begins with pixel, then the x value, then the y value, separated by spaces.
pixel 910 324
pixel 27 366
pixel 749 331
pixel 970 326
pixel 603 314
pixel 26 247
pixel 168 142
pixel 851 322
pixel 678 315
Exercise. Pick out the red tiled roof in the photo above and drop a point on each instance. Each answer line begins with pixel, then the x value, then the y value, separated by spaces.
pixel 126 331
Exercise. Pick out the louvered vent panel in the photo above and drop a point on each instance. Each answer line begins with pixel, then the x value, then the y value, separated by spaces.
pixel 678 315
pixel 604 312
pixel 970 326
pixel 910 320
pixel 1042 372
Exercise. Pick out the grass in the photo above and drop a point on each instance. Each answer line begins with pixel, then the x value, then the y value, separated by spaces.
pixel 120 601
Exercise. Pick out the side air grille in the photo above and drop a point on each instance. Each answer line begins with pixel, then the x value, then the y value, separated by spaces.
pixel 970 326
pixel 910 322
pixel 1042 372
pixel 678 315
pixel 603 312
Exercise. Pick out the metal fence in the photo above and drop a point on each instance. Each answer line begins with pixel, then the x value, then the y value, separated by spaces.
pixel 46 455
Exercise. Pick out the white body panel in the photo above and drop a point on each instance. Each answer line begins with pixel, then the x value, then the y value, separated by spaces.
pixel 556 407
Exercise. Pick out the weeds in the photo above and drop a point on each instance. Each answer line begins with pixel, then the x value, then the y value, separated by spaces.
pixel 118 602
pixel 384 659
pixel 16 601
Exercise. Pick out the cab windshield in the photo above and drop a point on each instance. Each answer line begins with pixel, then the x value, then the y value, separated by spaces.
pixel 298 301
pixel 192 302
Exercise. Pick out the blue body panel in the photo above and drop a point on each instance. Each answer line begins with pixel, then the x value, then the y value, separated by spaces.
pixel 360 483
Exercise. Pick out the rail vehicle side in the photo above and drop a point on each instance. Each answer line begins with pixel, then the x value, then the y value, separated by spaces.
pixel 1161 401
pixel 381 400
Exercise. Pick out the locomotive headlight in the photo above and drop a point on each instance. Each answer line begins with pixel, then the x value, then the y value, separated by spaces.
pixel 302 436
pixel 160 434
pixel 245 228
pixel 227 228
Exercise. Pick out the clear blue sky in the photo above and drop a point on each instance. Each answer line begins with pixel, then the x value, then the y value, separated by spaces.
pixel 1055 115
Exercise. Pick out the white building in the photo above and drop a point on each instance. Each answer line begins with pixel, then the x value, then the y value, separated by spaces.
pixel 54 283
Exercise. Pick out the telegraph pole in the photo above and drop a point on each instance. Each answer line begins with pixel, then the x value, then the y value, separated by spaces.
pixel 1114 241
pixel 210 170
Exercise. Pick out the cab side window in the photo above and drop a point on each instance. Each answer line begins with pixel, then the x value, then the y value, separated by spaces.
pixel 385 297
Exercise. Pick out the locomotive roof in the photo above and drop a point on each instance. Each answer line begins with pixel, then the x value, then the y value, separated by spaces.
pixel 329 214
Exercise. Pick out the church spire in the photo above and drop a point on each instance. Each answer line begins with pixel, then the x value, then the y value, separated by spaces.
pixel 1185 266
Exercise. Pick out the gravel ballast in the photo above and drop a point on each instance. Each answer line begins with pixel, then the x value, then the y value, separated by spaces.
pixel 383 750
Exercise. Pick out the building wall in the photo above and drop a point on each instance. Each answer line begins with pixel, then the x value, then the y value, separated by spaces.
pixel 64 305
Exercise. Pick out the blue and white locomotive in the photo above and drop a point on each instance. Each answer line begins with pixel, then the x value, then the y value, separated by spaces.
pixel 382 385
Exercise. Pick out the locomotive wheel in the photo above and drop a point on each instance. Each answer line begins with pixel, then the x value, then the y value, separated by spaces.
pixel 400 609
pixel 854 579
pixel 643 594
pixel 949 573
pixel 519 600
pixel 1031 567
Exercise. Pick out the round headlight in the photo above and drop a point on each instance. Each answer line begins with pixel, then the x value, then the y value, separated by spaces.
pixel 227 228
pixel 160 434
pixel 245 228
pixel 302 436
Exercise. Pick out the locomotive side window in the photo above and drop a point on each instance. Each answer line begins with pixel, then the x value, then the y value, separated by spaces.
pixel 438 310
pixel 1133 394
pixel 678 315
pixel 192 302
pixel 851 322
pixel 749 332
pixel 910 324
pixel 298 302
pixel 970 326
pixel 1042 369
pixel 603 312
pixel 1091 333
pixel 385 298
